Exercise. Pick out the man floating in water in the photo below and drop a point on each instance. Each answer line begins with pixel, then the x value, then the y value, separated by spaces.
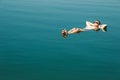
pixel 96 26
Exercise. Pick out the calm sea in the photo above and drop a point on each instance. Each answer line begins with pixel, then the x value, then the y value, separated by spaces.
pixel 32 48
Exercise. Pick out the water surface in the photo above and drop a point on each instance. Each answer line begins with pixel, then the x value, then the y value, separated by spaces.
pixel 31 46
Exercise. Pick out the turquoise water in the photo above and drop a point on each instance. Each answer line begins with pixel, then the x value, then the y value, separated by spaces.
pixel 32 48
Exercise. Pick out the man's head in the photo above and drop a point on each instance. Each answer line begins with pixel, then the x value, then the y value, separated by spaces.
pixel 97 22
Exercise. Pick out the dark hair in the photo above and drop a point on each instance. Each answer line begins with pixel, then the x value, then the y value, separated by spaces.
pixel 97 21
